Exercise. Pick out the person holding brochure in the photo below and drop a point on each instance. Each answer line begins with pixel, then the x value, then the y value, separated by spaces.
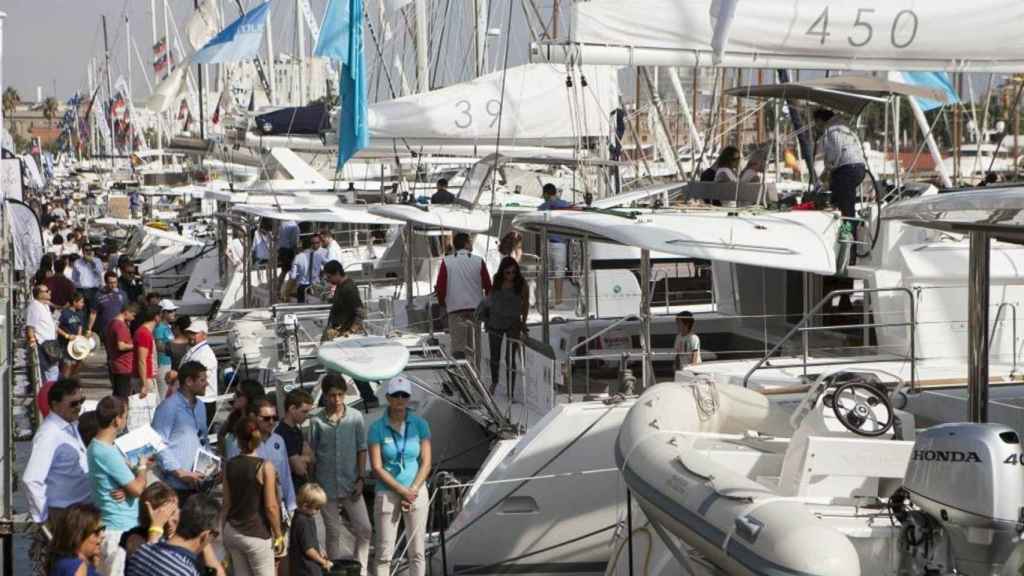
pixel 181 422
pixel 109 472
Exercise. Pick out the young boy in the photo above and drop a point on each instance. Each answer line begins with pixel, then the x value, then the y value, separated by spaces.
pixel 305 555
pixel 687 346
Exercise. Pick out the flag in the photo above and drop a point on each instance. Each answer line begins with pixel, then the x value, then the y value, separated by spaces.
pixel 937 80
pixel 202 25
pixel 239 41
pixel 341 38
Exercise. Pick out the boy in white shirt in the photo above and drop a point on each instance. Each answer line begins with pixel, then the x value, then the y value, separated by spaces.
pixel 687 345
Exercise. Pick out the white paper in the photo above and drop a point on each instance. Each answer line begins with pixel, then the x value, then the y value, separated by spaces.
pixel 206 463
pixel 140 443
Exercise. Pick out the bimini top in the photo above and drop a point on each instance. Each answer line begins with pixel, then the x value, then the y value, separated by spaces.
pixel 327 214
pixel 800 241
pixel 998 210
pixel 847 93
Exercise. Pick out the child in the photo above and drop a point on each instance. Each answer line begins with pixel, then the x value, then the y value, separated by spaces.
pixel 305 554
pixel 687 346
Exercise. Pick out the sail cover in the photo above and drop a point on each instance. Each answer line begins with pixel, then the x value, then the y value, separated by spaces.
pixel 824 34
pixel 537 106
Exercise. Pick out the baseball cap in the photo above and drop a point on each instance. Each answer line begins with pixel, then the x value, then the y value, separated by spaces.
pixel 198 326
pixel 167 306
pixel 399 384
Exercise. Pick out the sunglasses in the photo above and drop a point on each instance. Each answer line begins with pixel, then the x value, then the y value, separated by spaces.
pixel 269 418
pixel 400 395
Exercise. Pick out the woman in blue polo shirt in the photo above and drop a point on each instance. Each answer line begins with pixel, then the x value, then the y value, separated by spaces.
pixel 400 455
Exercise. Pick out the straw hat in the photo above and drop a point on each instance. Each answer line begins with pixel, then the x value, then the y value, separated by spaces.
pixel 80 347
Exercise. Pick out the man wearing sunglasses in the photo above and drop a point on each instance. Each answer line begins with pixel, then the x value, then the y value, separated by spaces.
pixel 57 474
pixel 40 328
pixel 272 449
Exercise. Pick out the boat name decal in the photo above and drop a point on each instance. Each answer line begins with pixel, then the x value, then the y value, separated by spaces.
pixel 946 456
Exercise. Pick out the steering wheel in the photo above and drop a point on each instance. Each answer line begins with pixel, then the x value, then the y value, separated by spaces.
pixel 863 409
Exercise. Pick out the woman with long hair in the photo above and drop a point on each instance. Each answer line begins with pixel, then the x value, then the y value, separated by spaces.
pixel 252 529
pixel 158 517
pixel 77 539
pixel 504 314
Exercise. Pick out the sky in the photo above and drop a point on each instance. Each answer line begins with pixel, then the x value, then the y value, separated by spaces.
pixel 48 43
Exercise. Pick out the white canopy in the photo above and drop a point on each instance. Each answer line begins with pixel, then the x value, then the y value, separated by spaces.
pixel 446 217
pixel 981 36
pixel 801 241
pixel 332 214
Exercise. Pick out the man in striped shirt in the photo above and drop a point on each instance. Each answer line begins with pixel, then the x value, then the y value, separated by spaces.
pixel 179 554
pixel 843 155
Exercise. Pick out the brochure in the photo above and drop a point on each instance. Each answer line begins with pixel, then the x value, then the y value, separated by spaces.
pixel 206 463
pixel 140 443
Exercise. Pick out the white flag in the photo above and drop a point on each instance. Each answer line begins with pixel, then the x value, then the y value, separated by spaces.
pixel 166 91
pixel 203 24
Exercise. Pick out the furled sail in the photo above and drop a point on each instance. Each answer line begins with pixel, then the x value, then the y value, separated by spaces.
pixel 865 35
pixel 537 106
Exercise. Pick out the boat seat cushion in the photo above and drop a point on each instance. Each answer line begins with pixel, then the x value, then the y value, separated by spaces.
pixel 844 467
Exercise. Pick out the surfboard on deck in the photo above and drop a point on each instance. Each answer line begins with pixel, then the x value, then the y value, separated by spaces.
pixel 365 357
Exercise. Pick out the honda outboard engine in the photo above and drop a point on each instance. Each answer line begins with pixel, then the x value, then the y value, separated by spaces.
pixel 967 483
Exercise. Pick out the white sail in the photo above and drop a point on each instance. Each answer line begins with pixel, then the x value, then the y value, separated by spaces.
pixel 825 34
pixel 202 25
pixel 537 106
pixel 166 92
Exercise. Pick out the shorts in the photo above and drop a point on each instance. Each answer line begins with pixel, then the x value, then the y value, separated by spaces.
pixel 557 259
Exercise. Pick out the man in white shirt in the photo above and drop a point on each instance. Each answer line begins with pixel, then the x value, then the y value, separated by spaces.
pixel 40 329
pixel 261 243
pixel 57 474
pixel 302 271
pixel 87 274
pixel 462 282
pixel 235 252
pixel 330 245
pixel 202 352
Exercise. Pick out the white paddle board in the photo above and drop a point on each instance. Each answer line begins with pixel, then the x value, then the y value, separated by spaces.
pixel 365 357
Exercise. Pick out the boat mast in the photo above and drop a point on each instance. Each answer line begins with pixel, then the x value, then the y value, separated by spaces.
pixel 480 6
pixel 128 72
pixel 422 46
pixel 159 116
pixel 199 73
pixel 110 94
pixel 6 368
pixel 300 39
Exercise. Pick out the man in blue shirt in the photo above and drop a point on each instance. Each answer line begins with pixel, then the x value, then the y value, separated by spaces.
pixel 557 245
pixel 109 472
pixel 287 245
pixel 272 449
pixel 181 422
pixel 179 554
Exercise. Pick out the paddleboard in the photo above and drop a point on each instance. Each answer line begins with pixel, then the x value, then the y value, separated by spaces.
pixel 365 357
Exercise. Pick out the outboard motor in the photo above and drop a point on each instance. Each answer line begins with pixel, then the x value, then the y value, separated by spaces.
pixel 967 483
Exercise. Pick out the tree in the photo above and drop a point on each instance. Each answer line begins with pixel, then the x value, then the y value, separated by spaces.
pixel 11 101
pixel 50 109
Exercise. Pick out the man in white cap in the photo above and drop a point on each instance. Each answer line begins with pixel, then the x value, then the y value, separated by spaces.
pixel 164 335
pixel 202 352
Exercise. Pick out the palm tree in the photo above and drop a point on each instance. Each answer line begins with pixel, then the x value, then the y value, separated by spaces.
pixel 50 109
pixel 11 100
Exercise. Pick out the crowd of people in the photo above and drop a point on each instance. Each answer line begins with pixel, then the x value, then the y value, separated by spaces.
pixel 99 513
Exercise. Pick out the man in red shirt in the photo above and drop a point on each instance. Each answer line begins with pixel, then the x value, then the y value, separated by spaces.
pixel 145 349
pixel 120 357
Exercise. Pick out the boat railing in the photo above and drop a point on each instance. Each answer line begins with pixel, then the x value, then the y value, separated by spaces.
pixel 1013 326
pixel 646 355
pixel 804 328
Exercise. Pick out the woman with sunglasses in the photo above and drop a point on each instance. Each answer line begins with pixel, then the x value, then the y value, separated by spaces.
pixel 252 529
pixel 76 544
pixel 400 455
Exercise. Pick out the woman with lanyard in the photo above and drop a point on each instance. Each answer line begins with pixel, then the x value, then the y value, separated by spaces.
pixel 400 455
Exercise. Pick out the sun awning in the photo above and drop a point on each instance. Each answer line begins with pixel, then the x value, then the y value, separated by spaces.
pixel 996 210
pixel 847 93
pixel 327 214
pixel 800 241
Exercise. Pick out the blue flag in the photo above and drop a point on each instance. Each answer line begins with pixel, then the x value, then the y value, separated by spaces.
pixel 341 39
pixel 241 40
pixel 937 80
